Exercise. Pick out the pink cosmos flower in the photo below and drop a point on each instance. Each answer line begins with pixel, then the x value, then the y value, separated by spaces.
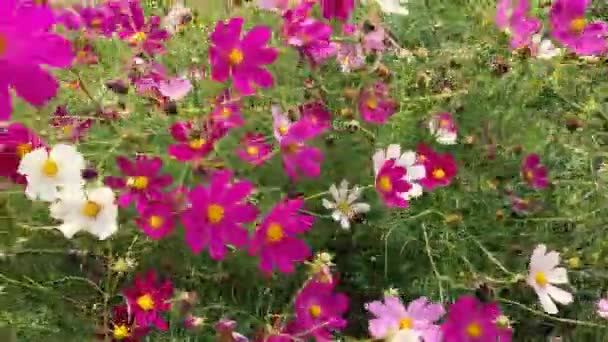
pixel 350 57
pixel 443 127
pixel 69 18
pixel 157 219
pixel 227 111
pixel 16 141
pixel 512 15
pixel 273 4
pixel 375 105
pixel 147 299
pixel 217 213
pixel 96 20
pixel 194 142
pixel 121 327
pixel 440 168
pixel 602 308
pixel 520 205
pixel 391 184
pixel 146 35
pixel 280 123
pixel 533 172
pixel 225 330
pixel 254 150
pixel 470 320
pixel 299 158
pixel 392 316
pixel 374 40
pixel 338 9
pixel 571 29
pixel 143 181
pixel 26 43
pixel 72 127
pixel 241 59
pixel 86 55
pixel 319 310
pixel 275 240
pixel 175 88
pixel 317 117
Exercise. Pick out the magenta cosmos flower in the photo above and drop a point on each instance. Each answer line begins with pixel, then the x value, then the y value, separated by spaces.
pixel 194 141
pixel 143 181
pixel 391 184
pixel 338 9
pixel 157 219
pixel 121 327
pixel 26 43
pixel 147 299
pixel 470 320
pixel 241 59
pixel 16 141
pixel 512 15
pixel 375 105
pixel 317 116
pixel 146 35
pixel 275 240
pixel 570 28
pixel 533 172
pixel 440 168
pixel 299 158
pixel 253 149
pixel 217 213
pixel 392 316
pixel 72 127
pixel 227 111
pixel 319 310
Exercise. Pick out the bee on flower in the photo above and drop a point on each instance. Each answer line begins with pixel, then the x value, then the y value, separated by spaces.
pixel 344 206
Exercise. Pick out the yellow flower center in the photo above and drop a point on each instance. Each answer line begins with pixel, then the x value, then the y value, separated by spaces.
pixel 139 182
pixel 3 44
pixel 291 148
pixel 215 213
pixel 235 57
pixel 421 158
pixel 50 168
pixel 529 175
pixel 474 330
pixel 406 323
pixel 385 184
pixel 23 149
pixel 145 302
pixel 226 112
pixel 344 207
pixel 315 311
pixel 372 103
pixel 155 221
pixel 283 130
pixel 67 129
pixel 197 144
pixel 274 233
pixel 252 150
pixel 438 173
pixel 121 332
pixel 91 209
pixel 577 25
pixel 541 279
pixel 96 23
pixel 444 123
pixel 138 37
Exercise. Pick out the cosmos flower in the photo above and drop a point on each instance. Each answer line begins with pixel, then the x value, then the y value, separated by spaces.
pixel 46 171
pixel 316 117
pixel 470 320
pixel 156 219
pixel 72 127
pixel 91 210
pixel 440 168
pixel 408 159
pixel 225 330
pixel 280 123
pixel 337 9
pixel 512 16
pixel 273 4
pixel 392 317
pixel 26 43
pixel 253 149
pixel 147 299
pixel 276 239
pixel 571 28
pixel 194 142
pixel 533 172
pixel 122 328
pixel 175 88
pixel 374 40
pixel 344 206
pixel 397 7
pixel 217 214
pixel 241 59
pixel 143 181
pixel 350 57
pixel 443 127
pixel 298 158
pixel 602 308
pixel 227 111
pixel 543 274
pixel 375 105
pixel 319 310
pixel 141 33
pixel 543 48
pixel 96 19
pixel 391 184
pixel 177 17
pixel 16 141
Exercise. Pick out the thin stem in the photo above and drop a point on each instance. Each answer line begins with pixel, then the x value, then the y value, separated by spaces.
pixel 553 318
pixel 432 261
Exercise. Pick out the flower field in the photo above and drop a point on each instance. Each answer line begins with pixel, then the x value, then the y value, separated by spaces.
pixel 308 170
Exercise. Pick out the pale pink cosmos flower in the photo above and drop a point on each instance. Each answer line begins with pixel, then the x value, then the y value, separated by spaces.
pixel 175 88
pixel 408 160
pixel 543 274
pixel 443 127
pixel 602 308
pixel 280 123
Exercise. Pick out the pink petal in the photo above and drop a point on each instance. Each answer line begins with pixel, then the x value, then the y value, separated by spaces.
pixel 33 84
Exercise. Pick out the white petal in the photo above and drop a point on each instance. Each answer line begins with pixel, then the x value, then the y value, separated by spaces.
pixel 408 158
pixel 102 195
pixel 415 172
pixel 334 192
pixel 353 195
pixel 414 192
pixel 433 126
pixel 344 223
pixel 378 160
pixel 327 204
pixel 447 138
pixel 337 215
pixel 41 190
pixel 393 151
pixel 68 155
pixel 359 208
pixel 537 255
pixel 104 231
pixel 546 302
pixel 69 229
pixel 558 275
pixel 559 295
pixel 31 163
pixel 343 191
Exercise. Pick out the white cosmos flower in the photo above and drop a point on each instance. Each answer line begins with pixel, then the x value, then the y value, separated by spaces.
pixel 394 6
pixel 544 48
pixel 405 335
pixel 47 171
pixel 344 205
pixel 543 274
pixel 408 160
pixel 90 210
